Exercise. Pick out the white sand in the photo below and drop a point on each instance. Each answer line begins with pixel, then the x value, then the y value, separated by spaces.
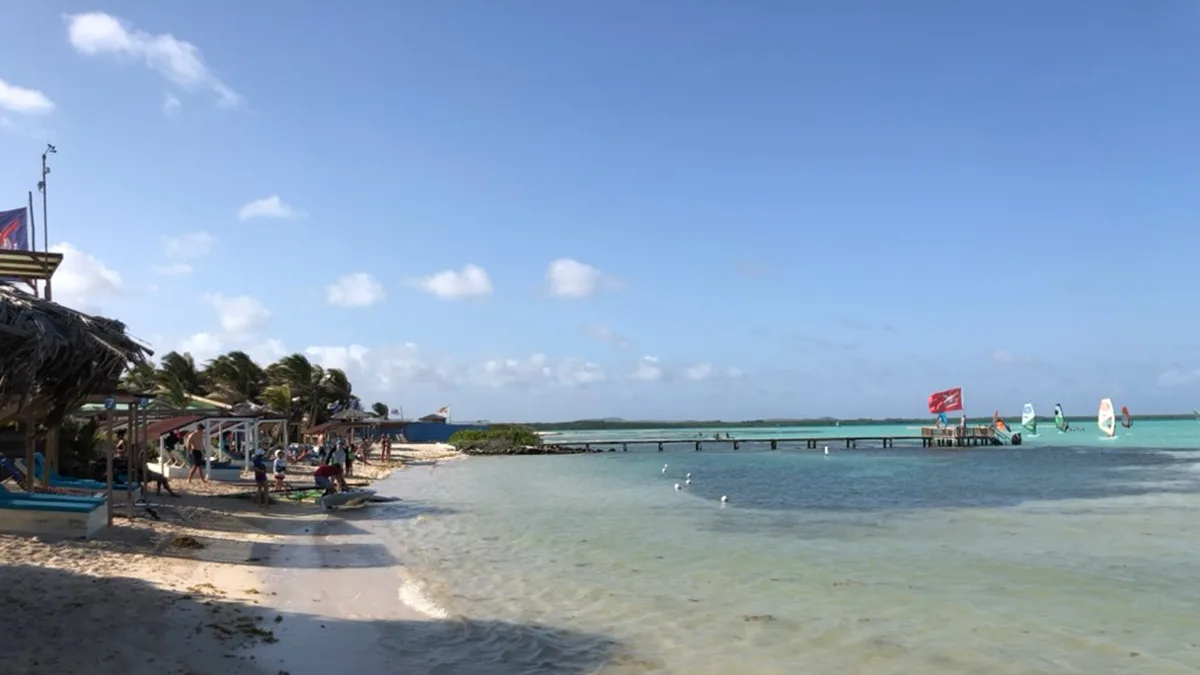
pixel 219 586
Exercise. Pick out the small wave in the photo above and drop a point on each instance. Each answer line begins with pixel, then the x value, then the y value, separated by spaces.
pixel 1181 454
pixel 413 594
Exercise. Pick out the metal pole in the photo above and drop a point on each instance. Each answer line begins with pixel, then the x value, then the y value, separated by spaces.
pixel 50 150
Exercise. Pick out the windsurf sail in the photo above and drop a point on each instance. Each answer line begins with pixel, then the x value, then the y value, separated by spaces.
pixel 1060 420
pixel 943 420
pixel 946 401
pixel 1105 419
pixel 1029 418
pixel 999 423
pixel 1126 418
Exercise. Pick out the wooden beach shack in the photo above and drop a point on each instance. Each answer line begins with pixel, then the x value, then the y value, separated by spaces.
pixel 52 360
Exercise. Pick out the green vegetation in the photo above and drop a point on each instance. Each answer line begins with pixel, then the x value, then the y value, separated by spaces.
pixel 509 435
pixel 293 386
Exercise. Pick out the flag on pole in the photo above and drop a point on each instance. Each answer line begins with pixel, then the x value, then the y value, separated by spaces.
pixel 14 230
pixel 946 401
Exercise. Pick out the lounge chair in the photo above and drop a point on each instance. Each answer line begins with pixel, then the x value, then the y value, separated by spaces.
pixel 54 515
pixel 56 480
pixel 17 471
pixel 10 495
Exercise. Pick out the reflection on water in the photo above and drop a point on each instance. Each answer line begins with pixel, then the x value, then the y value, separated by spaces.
pixel 992 561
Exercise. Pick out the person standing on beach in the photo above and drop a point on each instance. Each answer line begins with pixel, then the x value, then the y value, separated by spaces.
pixel 194 444
pixel 260 478
pixel 337 455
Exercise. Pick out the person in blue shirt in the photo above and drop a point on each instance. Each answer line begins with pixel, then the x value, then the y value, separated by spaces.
pixel 260 477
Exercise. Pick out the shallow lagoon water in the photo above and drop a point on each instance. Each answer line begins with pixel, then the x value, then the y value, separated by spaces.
pixel 1044 558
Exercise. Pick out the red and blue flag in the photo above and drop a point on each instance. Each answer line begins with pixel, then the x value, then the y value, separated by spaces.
pixel 14 230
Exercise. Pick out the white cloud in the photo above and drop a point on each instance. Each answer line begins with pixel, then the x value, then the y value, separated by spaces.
pixel 97 33
pixel 471 281
pixel 170 105
pixel 239 314
pixel 268 351
pixel 178 250
pixel 570 278
pixel 268 207
pixel 606 334
pixel 355 290
pixel 1178 377
pixel 82 282
pixel 202 346
pixel 648 369
pixel 577 372
pixel 700 371
pixel 21 100
pixel 733 372
pixel 339 357
pixel 173 270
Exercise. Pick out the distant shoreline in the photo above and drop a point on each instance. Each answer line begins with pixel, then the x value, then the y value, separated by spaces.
pixel 611 424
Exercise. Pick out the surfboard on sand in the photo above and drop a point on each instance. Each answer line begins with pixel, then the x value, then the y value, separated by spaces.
pixel 350 499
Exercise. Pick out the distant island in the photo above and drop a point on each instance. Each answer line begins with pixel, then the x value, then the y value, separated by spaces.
pixel 614 423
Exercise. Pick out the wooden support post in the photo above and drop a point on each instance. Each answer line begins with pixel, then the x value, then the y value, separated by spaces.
pixel 697 446
pixel 660 446
pixel 624 447
pixel 587 447
pixel 30 471
pixel 735 444
pixel 108 492
pixel 774 444
pixel 129 457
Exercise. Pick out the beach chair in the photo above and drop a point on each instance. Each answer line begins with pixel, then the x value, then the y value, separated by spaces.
pixel 59 481
pixel 19 475
pixel 6 494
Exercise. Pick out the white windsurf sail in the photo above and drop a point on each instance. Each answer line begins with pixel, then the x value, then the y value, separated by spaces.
pixel 1105 419
pixel 1029 418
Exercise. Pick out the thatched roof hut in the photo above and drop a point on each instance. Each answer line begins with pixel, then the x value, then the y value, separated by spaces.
pixel 52 357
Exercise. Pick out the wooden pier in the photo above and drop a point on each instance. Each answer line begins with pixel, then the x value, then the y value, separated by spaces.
pixel 930 437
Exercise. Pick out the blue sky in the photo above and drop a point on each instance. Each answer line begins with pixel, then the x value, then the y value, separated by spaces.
pixel 757 209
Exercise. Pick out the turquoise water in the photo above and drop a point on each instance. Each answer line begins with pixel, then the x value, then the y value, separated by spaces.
pixel 1067 554
pixel 1149 433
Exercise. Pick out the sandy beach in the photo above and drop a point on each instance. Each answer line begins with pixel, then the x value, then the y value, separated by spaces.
pixel 218 585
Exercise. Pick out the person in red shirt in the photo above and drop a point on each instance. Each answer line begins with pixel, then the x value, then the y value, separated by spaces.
pixel 327 475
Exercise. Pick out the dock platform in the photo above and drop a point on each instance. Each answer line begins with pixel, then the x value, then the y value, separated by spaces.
pixel 930 437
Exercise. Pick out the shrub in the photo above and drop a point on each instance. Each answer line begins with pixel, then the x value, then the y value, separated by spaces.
pixel 512 435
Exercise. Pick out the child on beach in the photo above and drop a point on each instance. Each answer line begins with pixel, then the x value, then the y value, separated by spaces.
pixel 260 477
pixel 280 468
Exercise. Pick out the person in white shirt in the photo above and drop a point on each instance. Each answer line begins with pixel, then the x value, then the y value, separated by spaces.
pixel 279 466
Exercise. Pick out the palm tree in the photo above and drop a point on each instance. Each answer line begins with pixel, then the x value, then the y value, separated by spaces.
pixel 380 409
pixel 278 397
pixel 336 390
pixel 141 378
pixel 236 378
pixel 180 370
pixel 306 382
pixel 171 395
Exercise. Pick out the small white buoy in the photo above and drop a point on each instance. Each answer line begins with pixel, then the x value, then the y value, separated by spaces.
pixel 724 499
pixel 664 468
pixel 827 449
pixel 678 486
pixel 688 481
pixel 688 476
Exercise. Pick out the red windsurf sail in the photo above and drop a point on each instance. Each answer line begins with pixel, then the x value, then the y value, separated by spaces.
pixel 1128 419
pixel 946 401
pixel 999 423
